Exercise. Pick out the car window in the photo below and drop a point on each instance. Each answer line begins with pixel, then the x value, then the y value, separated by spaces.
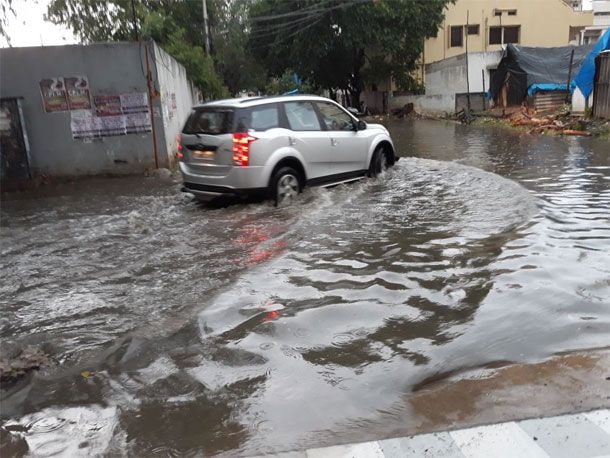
pixel 211 121
pixel 264 117
pixel 301 116
pixel 334 117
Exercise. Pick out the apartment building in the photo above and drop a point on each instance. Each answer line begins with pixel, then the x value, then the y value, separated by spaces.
pixel 601 22
pixel 487 25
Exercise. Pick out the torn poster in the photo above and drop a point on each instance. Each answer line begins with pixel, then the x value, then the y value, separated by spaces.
pixel 107 105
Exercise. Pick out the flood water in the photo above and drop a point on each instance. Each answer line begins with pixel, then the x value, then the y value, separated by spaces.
pixel 179 329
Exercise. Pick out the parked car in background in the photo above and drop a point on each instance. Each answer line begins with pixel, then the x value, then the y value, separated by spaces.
pixel 277 146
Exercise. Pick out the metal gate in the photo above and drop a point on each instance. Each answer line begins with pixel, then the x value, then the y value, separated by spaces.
pixel 601 91
pixel 14 148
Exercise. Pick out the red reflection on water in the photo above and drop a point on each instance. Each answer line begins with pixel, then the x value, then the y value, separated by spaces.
pixel 264 254
pixel 257 240
pixel 270 316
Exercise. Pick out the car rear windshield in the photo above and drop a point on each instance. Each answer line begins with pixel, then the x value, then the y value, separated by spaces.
pixel 209 120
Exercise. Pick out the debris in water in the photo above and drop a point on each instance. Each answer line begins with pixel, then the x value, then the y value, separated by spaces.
pixel 14 367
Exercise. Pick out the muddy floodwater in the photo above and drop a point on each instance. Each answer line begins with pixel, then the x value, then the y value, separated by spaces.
pixel 174 328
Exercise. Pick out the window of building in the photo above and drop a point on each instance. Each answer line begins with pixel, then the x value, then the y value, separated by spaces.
pixel 495 35
pixel 512 12
pixel 511 34
pixel 499 35
pixel 497 12
pixel 456 36
pixel 473 29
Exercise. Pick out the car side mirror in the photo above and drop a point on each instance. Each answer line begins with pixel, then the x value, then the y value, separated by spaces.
pixel 361 125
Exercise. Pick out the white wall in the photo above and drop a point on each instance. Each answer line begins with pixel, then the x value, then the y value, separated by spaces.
pixel 426 104
pixel 176 98
pixel 578 101
pixel 601 6
pixel 449 75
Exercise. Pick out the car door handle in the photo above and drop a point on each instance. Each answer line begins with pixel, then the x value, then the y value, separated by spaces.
pixel 333 142
pixel 292 141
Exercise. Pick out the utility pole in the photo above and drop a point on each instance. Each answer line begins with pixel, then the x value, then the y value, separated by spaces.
pixel 134 20
pixel 151 93
pixel 568 95
pixel 467 69
pixel 206 27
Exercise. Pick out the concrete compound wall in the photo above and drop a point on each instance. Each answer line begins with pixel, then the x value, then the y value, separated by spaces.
pixel 176 98
pixel 111 68
pixel 426 104
pixel 447 78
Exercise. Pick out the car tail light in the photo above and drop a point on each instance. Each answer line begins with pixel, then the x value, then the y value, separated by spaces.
pixel 180 147
pixel 241 148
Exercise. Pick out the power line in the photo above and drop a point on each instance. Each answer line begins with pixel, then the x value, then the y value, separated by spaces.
pixel 260 32
pixel 299 12
pixel 283 38
pixel 313 15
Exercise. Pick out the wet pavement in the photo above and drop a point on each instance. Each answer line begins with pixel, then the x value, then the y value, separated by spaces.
pixel 175 328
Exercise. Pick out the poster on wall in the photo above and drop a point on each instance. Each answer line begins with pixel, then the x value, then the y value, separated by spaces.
pixel 53 91
pixel 112 125
pixel 107 105
pixel 173 105
pixel 77 89
pixel 84 125
pixel 137 123
pixel 134 102
pixel 113 115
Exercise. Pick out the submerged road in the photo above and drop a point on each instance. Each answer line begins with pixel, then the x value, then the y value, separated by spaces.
pixel 386 307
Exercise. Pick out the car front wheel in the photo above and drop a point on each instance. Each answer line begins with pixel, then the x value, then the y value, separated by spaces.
pixel 285 186
pixel 379 163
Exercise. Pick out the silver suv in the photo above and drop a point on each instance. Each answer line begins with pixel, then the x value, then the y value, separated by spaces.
pixel 277 146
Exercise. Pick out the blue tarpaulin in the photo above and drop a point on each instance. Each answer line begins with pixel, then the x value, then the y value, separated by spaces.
pixel 546 87
pixel 584 78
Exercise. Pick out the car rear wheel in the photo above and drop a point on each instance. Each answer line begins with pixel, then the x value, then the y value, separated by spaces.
pixel 285 186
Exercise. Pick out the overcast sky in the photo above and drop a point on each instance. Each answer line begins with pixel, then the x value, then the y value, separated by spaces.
pixel 28 28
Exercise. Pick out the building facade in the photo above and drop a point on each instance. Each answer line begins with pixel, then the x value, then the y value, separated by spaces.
pixel 601 22
pixel 487 25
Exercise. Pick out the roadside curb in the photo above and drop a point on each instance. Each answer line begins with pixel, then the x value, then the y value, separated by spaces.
pixel 585 435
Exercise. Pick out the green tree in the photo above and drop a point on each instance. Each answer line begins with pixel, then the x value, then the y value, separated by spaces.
pixel 238 68
pixel 286 83
pixel 176 26
pixel 6 8
pixel 174 40
pixel 344 43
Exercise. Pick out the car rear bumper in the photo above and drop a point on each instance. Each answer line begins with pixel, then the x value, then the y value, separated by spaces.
pixel 210 192
pixel 237 181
